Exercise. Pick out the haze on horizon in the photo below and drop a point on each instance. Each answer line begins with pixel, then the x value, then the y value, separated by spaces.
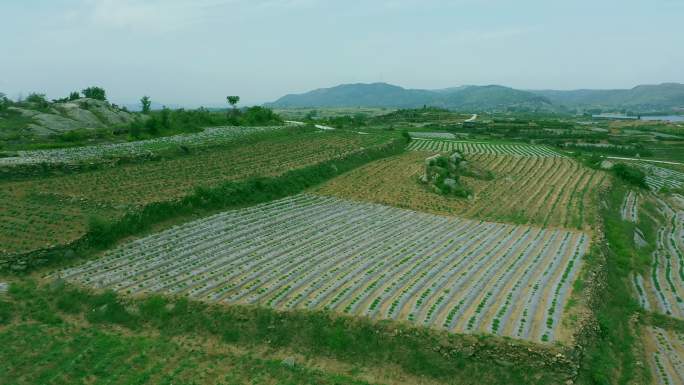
pixel 195 53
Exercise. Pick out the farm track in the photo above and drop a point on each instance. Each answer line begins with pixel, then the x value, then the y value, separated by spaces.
pixel 316 252
pixel 545 191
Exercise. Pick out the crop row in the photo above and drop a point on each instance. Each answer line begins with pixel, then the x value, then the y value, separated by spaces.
pixel 419 144
pixel 550 191
pixel 659 177
pixel 54 210
pixel 665 350
pixel 209 136
pixel 314 252
pixel 630 206
pixel 432 135
pixel 663 290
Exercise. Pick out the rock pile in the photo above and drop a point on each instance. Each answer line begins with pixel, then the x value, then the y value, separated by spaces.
pixel 442 174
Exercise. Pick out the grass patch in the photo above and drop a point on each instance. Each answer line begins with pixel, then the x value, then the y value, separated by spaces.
pixel 39 354
pixel 417 351
pixel 611 358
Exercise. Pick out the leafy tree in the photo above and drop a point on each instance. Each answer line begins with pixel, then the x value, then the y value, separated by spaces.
pixel 135 129
pixel 4 102
pixel 233 100
pixel 146 104
pixel 166 118
pixel 96 93
pixel 258 116
pixel 38 99
pixel 311 115
pixel 630 174
pixel 152 126
pixel 74 95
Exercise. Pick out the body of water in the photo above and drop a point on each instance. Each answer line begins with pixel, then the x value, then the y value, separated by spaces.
pixel 667 118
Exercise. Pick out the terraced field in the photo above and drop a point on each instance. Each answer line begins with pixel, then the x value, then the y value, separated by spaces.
pixel 547 191
pixel 665 352
pixel 659 177
pixel 53 210
pixel 208 137
pixel 432 145
pixel 663 290
pixel 312 252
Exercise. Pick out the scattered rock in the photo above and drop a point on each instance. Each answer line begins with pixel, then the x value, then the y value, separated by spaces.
pixel 606 165
pixel 289 362
pixel 132 309
pixel 4 288
pixel 450 182
pixel 504 363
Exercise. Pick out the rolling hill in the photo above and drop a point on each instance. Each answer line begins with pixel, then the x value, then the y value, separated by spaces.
pixel 666 96
pixel 643 98
pixel 387 95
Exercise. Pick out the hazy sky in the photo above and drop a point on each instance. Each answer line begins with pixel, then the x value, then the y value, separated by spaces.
pixel 197 52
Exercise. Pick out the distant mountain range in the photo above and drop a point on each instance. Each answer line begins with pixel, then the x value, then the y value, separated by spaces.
pixel 663 97
pixel 666 96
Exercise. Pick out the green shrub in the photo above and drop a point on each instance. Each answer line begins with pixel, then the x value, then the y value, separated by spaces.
pixel 6 312
pixel 4 102
pixel 69 301
pixel 630 174
pixel 106 308
pixel 96 93
pixel 155 308
pixel 254 116
pixel 100 231
pixel 39 101
pixel 611 359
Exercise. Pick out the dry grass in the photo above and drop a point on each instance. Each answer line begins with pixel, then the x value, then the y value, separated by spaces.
pixel 555 192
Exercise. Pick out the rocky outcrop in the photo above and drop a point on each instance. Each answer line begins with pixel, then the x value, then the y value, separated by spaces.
pixel 105 112
pixel 443 174
pixel 74 115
